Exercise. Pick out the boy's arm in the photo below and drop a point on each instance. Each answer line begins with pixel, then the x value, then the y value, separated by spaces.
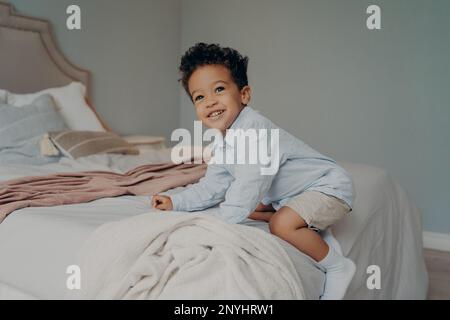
pixel 244 194
pixel 260 215
pixel 209 191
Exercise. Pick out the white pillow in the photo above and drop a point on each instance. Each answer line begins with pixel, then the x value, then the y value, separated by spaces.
pixel 71 103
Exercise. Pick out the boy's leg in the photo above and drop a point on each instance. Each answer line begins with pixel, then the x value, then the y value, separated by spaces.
pixel 289 226
pixel 320 211
pixel 331 241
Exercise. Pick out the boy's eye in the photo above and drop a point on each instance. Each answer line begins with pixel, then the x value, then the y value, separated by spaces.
pixel 198 98
pixel 219 89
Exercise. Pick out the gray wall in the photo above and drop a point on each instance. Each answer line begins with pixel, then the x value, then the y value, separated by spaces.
pixel 376 97
pixel 131 48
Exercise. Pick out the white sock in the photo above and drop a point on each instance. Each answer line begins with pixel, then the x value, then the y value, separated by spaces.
pixel 339 273
pixel 328 237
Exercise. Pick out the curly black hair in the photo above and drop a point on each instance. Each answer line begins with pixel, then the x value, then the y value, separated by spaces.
pixel 205 54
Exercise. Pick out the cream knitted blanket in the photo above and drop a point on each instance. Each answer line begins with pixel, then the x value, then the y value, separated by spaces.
pixel 166 255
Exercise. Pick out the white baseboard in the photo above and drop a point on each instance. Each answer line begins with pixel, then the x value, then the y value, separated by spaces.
pixel 436 241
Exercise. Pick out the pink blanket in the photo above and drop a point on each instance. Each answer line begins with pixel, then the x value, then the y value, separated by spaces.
pixel 77 187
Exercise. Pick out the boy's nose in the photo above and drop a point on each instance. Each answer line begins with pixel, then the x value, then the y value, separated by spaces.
pixel 211 103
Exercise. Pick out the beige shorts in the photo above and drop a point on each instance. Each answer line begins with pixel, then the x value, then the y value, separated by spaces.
pixel 318 209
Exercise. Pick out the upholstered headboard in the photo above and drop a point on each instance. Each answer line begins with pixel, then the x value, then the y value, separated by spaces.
pixel 29 58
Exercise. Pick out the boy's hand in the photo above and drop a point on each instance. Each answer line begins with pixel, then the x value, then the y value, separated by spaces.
pixel 263 208
pixel 261 215
pixel 162 202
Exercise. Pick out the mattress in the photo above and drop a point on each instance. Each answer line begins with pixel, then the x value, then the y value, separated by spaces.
pixel 37 245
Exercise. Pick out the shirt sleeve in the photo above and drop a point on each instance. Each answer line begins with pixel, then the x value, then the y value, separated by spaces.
pixel 251 181
pixel 244 193
pixel 209 191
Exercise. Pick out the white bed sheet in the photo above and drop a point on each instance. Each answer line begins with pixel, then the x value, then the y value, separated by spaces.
pixel 37 244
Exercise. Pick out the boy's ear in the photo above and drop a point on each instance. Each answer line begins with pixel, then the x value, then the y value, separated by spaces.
pixel 246 95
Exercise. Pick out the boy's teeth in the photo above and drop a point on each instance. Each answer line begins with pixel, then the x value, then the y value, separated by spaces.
pixel 216 113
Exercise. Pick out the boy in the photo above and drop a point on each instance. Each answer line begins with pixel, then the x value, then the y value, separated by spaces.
pixel 308 192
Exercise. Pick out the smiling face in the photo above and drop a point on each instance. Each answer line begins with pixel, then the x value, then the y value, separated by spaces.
pixel 217 99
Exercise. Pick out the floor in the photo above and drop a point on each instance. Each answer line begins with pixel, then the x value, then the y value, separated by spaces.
pixel 438 265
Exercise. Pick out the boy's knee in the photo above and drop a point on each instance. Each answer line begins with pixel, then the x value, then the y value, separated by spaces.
pixel 274 228
pixel 285 221
pixel 279 225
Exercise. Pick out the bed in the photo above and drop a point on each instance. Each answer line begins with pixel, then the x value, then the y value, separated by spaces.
pixel 38 244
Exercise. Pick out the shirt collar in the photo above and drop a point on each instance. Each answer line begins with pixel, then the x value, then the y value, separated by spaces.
pixel 242 115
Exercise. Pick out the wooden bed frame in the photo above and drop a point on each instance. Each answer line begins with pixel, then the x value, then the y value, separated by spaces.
pixel 30 60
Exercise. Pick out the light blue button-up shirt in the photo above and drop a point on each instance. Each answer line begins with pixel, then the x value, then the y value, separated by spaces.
pixel 240 187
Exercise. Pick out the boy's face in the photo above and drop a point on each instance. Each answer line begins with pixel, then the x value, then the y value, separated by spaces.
pixel 217 99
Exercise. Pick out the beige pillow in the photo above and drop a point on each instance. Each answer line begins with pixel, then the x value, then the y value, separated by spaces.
pixel 76 144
